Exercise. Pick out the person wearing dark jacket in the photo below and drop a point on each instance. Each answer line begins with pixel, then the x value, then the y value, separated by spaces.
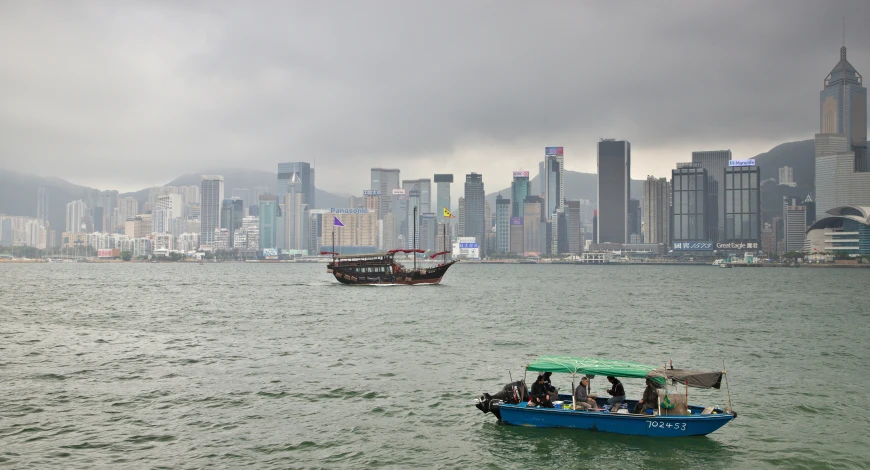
pixel 539 394
pixel 582 400
pixel 649 400
pixel 616 391
pixel 553 391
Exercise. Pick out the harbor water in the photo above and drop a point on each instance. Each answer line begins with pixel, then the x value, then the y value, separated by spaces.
pixel 278 366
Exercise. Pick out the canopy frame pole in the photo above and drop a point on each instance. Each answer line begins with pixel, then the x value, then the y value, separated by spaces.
pixel 725 373
pixel 573 396
pixel 525 371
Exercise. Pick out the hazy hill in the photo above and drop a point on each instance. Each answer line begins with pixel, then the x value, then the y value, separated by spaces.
pixel 798 155
pixel 245 179
pixel 18 192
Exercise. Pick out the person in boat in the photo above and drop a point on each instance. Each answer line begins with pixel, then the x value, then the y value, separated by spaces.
pixel 649 400
pixel 616 391
pixel 539 394
pixel 582 399
pixel 553 391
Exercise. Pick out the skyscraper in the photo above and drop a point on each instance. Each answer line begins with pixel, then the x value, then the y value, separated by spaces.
pixel 385 180
pixel 304 173
pixel 424 186
pixel 533 235
pixel 245 195
pixel 460 217
pixel 795 227
pixel 614 177
pixel 212 195
pixel 553 180
pixel 232 213
pixel 657 210
pixel 502 224
pixel 715 162
pixel 843 103
pixel 520 190
pixel 442 188
pixel 743 205
pixel 635 234
pixel 573 228
pixel 41 205
pixel 474 210
pixel 75 212
pixel 268 207
pixel 690 195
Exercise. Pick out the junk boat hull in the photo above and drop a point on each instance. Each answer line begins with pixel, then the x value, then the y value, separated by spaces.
pixel 383 269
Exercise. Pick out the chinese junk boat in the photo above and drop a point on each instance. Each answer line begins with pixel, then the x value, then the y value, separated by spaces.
pixel 672 416
pixel 382 268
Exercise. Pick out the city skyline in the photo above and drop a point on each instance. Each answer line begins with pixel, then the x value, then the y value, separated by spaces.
pixel 237 114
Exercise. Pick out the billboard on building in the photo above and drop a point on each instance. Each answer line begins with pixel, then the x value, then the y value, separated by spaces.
pixel 521 174
pixel 688 165
pixel 428 215
pixel 372 192
pixel 750 162
pixel 554 150
pixel 516 220
pixel 349 210
pixel 693 246
pixel 737 246
pixel 469 245
pixel 267 252
pixel 414 193
pixel 398 192
pixel 108 253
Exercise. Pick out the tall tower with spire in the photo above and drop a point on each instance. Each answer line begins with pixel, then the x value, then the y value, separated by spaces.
pixel 843 103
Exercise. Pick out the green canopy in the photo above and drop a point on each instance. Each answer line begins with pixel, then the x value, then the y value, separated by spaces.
pixel 590 366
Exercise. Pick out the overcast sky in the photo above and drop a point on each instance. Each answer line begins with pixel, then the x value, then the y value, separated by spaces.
pixel 125 95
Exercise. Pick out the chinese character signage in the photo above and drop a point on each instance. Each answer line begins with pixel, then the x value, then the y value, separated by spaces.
pixel 693 246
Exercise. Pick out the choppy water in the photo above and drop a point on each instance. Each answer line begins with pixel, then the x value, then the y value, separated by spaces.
pixel 277 366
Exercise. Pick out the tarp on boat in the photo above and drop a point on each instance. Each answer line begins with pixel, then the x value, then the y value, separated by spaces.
pixel 693 378
pixel 590 366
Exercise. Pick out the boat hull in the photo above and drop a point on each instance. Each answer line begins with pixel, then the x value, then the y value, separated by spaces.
pixel 631 424
pixel 347 275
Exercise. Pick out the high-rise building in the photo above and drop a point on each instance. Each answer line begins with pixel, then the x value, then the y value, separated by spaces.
pixel 573 227
pixel 169 206
pixel 232 213
pixel 385 180
pixel 426 232
pixel 502 224
pixel 795 228
pixel 837 182
pixel 442 189
pixel 533 233
pixel 520 190
pixel 424 186
pixel 691 207
pixel 517 243
pixel 129 208
pixel 296 218
pixel 212 196
pixel 359 234
pixel 635 234
pixel 715 162
pixel 657 210
pixel 843 103
pixel 396 228
pixel 245 195
pixel 304 174
pixel 614 192
pixel 786 176
pixel 42 205
pixel 268 208
pixel 75 213
pixel 460 218
pixel 553 180
pixel 475 201
pixel 743 206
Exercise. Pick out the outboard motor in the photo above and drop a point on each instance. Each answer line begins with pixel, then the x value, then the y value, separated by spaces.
pixel 514 392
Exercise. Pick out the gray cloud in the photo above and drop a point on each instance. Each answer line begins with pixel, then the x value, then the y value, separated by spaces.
pixel 129 94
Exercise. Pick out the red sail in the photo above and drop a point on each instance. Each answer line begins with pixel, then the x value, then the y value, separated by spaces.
pixel 328 253
pixel 438 254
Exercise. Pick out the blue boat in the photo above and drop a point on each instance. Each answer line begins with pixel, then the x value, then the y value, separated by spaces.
pixel 671 417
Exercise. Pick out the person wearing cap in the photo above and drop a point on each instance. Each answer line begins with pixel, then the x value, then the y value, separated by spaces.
pixel 616 391
pixel 582 400
pixel 539 394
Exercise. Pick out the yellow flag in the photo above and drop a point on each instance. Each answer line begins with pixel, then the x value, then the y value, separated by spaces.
pixel 448 214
